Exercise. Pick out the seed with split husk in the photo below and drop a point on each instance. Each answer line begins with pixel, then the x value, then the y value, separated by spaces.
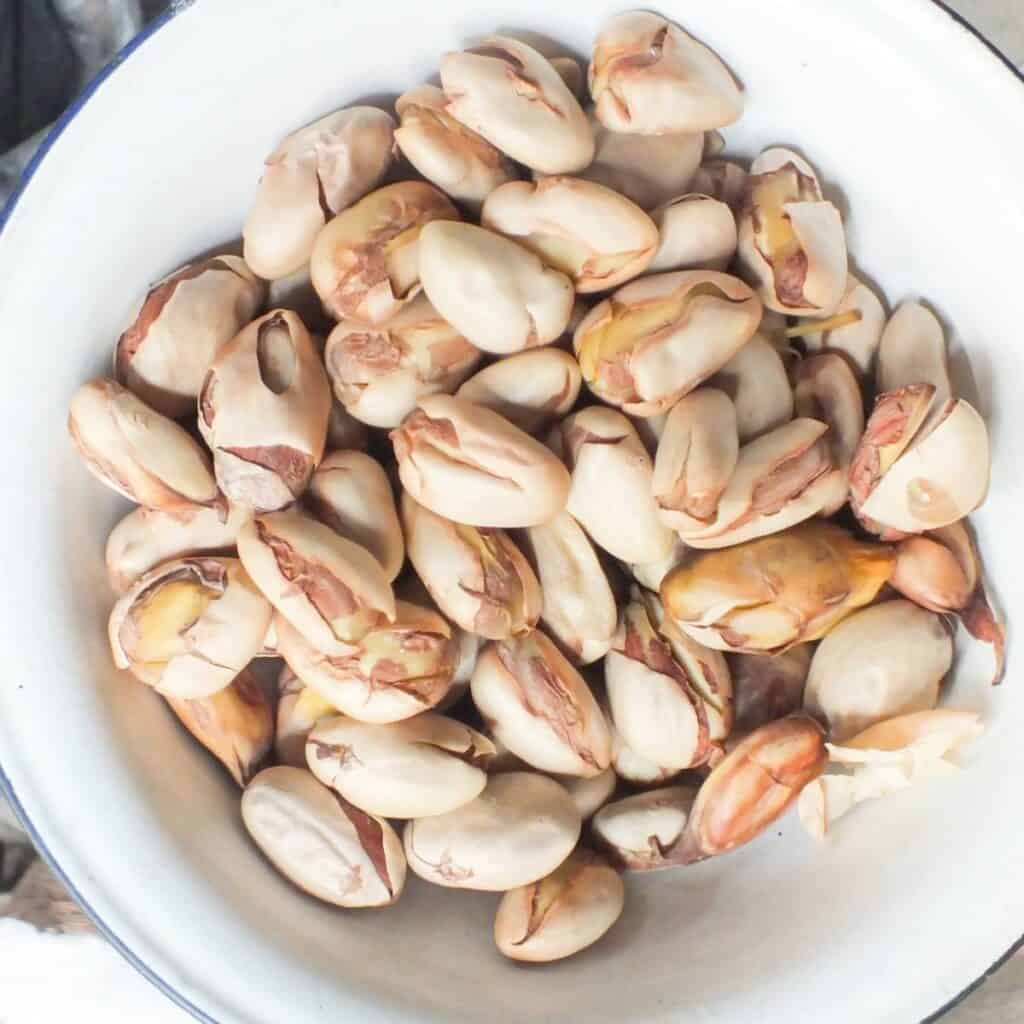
pixel 471 465
pixel 791 239
pixel 396 670
pixel 658 338
pixel 920 465
pixel 561 914
pixel 135 451
pixel 510 94
pixel 263 411
pixel 350 492
pixel 611 494
pixel 189 626
pixel 330 589
pixel 669 697
pixel 648 169
pixel 648 76
pixel 500 296
pixel 854 330
pixel 146 537
pixel 529 389
pixel 456 159
pixel 412 769
pixel 321 842
pixel 178 327
pixel 641 833
pixel 299 708
pixel 825 388
pixel 767 594
pixel 696 232
pixel 768 687
pixel 592 234
pixel 756 381
pixel 579 605
pixel 540 707
pixel 519 829
pixel 782 478
pixel 365 262
pixel 235 724
pixel 696 457
pixel 942 571
pixel 880 662
pixel 477 577
pixel 379 373
pixel 313 174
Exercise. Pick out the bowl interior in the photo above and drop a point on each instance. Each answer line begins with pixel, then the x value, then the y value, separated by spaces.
pixel 906 117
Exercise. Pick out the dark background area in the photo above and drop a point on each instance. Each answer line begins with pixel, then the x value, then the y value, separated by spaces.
pixel 39 70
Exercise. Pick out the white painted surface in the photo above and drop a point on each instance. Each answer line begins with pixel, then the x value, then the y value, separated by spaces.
pixel 910 902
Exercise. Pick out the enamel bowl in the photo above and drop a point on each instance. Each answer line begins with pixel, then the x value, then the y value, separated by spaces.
pixel 909 119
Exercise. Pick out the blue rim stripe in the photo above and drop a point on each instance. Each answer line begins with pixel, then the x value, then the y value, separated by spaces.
pixel 7 789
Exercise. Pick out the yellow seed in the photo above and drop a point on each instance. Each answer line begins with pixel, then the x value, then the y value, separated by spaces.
pixel 803 327
pixel 161 618
pixel 776 238
pixel 388 645
pixel 310 706
pixel 629 325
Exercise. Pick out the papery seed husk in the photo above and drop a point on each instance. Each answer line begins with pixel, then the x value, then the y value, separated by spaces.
pixel 146 537
pixel 235 724
pixel 529 389
pixel 320 842
pixel 883 661
pixel 650 77
pixel 379 373
pixel 497 294
pixel 263 410
pixel 540 707
pixel 142 455
pixel 561 914
pixel 189 626
pixel 411 769
pixel 520 828
pixel 365 262
pixel 610 496
pixel 595 236
pixel 512 96
pixel 478 577
pixel 579 606
pixel 470 465
pixel 456 159
pixel 329 588
pixel 756 381
pixel 178 327
pixel 351 493
pixel 640 833
pixel 696 232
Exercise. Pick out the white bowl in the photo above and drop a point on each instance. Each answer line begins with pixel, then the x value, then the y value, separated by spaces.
pixel 917 128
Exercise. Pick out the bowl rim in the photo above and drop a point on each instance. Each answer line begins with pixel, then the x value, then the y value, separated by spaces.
pixel 176 7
